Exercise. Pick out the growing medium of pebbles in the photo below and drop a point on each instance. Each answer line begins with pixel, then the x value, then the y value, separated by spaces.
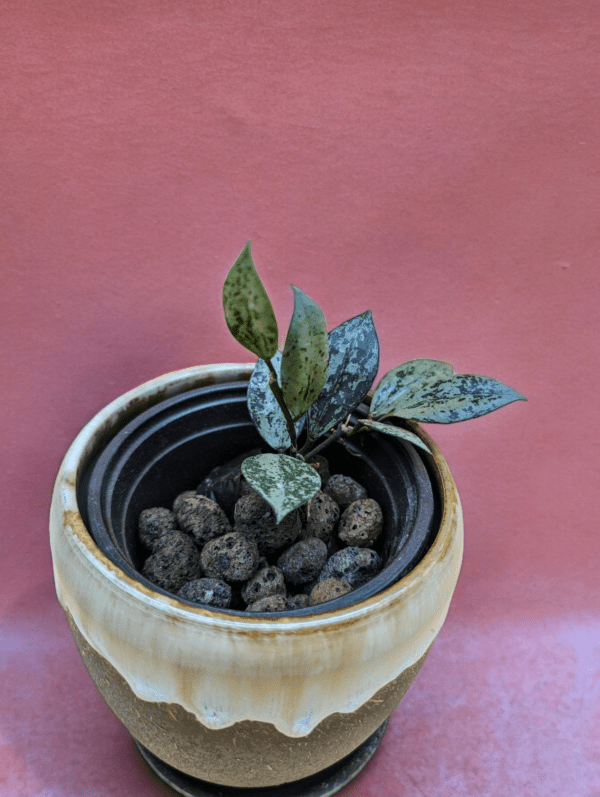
pixel 237 556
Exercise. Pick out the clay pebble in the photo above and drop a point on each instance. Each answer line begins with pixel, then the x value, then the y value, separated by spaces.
pixel 272 603
pixel 153 523
pixel 322 515
pixel 299 601
pixel 207 592
pixel 361 523
pixel 174 562
pixel 344 490
pixel 166 538
pixel 231 557
pixel 254 518
pixel 327 590
pixel 181 498
pixel 354 565
pixel 265 582
pixel 203 519
pixel 303 561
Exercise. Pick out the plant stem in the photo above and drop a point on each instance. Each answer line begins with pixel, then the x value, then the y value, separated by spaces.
pixel 309 441
pixel 332 437
pixel 342 430
pixel 274 385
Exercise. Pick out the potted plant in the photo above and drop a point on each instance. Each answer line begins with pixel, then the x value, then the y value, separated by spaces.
pixel 227 701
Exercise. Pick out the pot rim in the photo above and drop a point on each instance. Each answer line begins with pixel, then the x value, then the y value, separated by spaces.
pixel 106 422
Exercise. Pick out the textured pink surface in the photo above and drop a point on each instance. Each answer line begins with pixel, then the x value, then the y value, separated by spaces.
pixel 437 163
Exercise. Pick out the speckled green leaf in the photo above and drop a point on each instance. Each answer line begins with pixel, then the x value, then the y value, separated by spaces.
pixel 403 434
pixel 402 382
pixel 248 310
pixel 264 409
pixel 284 482
pixel 305 355
pixel 448 399
pixel 463 397
pixel 353 364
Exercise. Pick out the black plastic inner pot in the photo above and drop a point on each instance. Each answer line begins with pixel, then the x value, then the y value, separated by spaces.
pixel 173 445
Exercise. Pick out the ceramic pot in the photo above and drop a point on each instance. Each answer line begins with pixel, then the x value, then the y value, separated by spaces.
pixel 222 697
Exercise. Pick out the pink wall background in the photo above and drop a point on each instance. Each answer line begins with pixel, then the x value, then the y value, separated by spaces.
pixel 437 163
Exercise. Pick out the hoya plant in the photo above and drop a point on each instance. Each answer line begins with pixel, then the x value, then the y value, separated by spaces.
pixel 302 398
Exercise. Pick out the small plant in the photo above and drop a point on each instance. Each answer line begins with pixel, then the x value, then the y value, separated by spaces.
pixel 302 399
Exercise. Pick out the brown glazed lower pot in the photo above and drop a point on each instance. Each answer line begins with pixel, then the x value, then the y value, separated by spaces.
pixel 239 701
pixel 239 754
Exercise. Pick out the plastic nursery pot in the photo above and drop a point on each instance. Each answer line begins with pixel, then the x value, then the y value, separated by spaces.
pixel 225 702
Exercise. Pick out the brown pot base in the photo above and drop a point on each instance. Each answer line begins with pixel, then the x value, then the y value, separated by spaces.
pixel 322 784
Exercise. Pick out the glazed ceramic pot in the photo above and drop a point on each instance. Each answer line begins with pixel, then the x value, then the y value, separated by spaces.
pixel 259 702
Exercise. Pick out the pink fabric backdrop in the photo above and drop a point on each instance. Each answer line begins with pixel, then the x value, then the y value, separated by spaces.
pixel 435 162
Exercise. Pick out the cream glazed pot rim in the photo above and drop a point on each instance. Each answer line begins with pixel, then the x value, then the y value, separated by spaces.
pixel 92 552
pixel 384 647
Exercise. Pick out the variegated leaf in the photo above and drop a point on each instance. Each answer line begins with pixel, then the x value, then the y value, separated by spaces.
pixel 395 431
pixel 461 398
pixel 402 382
pixel 284 482
pixel 248 310
pixel 353 364
pixel 428 391
pixel 304 363
pixel 264 409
